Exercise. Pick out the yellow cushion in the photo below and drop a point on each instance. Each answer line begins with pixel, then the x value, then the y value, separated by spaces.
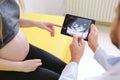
pixel 58 45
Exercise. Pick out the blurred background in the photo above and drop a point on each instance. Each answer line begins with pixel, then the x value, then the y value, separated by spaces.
pixel 102 11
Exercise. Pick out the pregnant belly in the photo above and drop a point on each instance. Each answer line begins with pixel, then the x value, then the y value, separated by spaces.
pixel 17 49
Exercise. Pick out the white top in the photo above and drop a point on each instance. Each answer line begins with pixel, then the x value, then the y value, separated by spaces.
pixel 109 63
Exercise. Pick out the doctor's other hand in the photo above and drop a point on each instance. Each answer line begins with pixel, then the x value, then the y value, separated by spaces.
pixel 49 26
pixel 93 38
pixel 77 49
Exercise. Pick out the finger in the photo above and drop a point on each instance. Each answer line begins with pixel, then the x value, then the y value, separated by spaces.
pixel 39 64
pixel 55 24
pixel 92 28
pixel 80 40
pixel 95 29
pixel 75 39
pixel 53 32
pixel 82 43
pixel 48 29
pixel 38 60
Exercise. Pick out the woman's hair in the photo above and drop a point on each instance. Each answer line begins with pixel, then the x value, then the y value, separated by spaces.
pixel 21 3
pixel 115 28
pixel 1 35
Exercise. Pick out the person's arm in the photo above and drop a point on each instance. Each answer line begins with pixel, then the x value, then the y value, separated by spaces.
pixel 105 77
pixel 101 56
pixel 27 22
pixel 43 25
pixel 19 66
pixel 6 65
pixel 71 70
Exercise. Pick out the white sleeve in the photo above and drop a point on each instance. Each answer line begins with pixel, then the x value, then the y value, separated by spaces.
pixel 70 72
pixel 105 77
pixel 102 58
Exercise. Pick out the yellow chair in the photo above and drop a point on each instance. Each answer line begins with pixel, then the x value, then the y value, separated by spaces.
pixel 58 45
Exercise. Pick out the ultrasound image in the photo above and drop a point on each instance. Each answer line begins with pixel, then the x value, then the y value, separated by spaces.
pixel 79 27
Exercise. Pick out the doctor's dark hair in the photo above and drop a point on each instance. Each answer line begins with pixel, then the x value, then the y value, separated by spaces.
pixel 116 28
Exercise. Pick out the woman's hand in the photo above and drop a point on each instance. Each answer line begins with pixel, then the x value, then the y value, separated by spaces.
pixel 30 65
pixel 48 26
pixel 93 38
pixel 77 49
pixel 44 25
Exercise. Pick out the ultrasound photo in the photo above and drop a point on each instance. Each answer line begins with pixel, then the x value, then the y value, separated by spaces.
pixel 77 26
pixel 80 27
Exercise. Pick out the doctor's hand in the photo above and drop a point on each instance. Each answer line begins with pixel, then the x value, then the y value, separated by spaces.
pixel 77 49
pixel 50 27
pixel 93 38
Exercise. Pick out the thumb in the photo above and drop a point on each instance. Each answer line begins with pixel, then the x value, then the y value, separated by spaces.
pixel 92 28
pixel 78 41
pixel 95 29
pixel 75 39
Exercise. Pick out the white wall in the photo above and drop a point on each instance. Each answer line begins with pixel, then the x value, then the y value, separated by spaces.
pixel 100 10
pixel 55 7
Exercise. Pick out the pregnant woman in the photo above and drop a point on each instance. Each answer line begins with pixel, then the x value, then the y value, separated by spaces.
pixel 20 60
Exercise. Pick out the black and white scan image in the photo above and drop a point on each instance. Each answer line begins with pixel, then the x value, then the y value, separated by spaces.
pixel 79 27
